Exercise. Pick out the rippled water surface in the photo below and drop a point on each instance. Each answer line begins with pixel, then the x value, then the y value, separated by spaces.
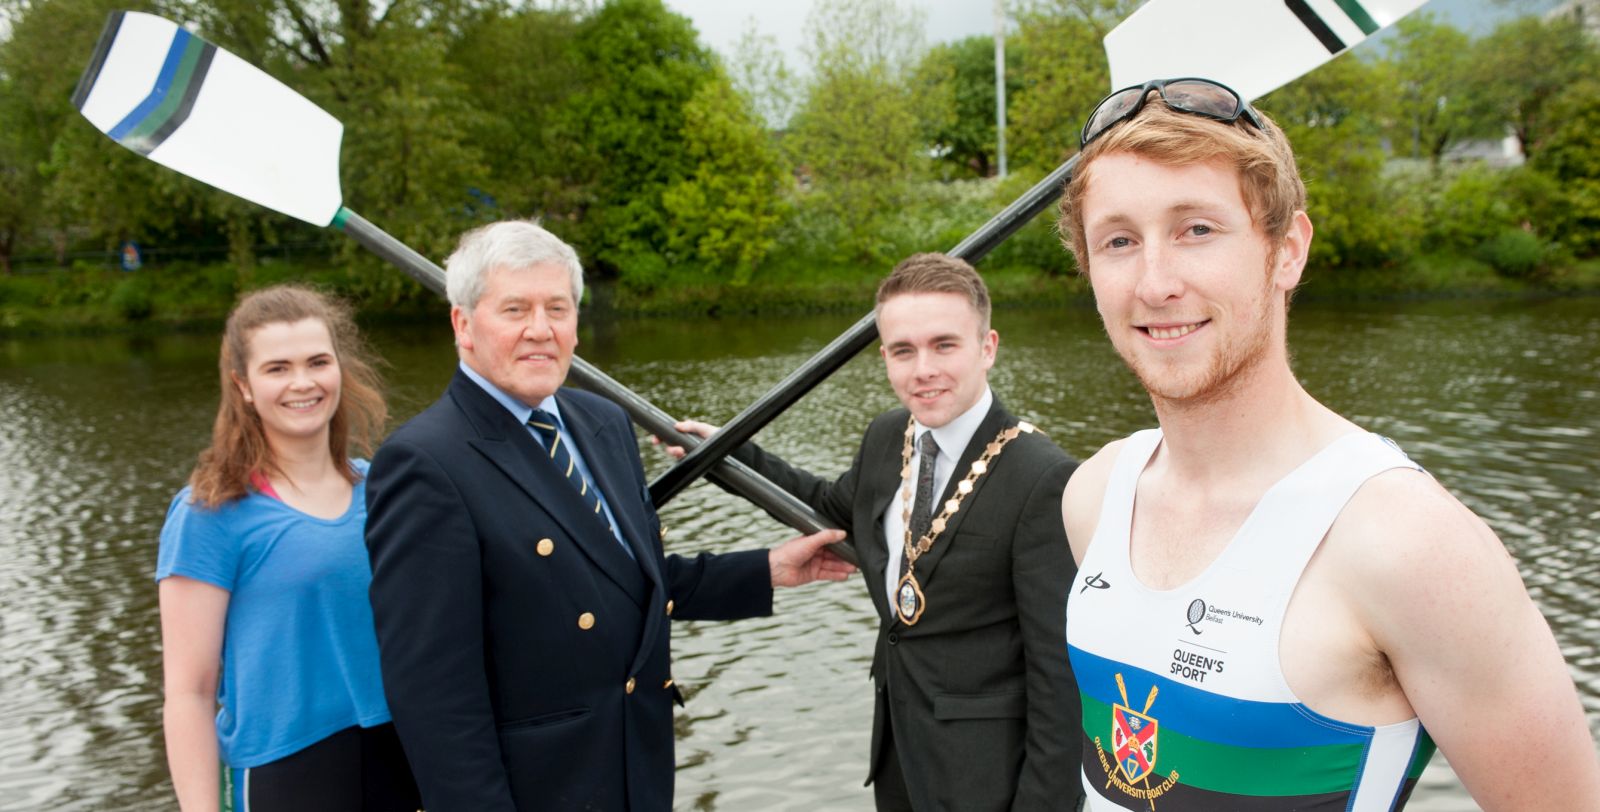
pixel 1500 401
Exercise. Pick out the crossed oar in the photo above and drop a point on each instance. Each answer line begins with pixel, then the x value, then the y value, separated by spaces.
pixel 183 102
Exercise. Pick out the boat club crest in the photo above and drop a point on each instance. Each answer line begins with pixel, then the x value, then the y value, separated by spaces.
pixel 1133 742
pixel 1134 736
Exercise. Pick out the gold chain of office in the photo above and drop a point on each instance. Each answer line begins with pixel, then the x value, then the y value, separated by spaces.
pixel 909 602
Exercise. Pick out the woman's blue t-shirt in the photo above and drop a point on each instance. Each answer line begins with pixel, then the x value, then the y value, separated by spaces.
pixel 299 655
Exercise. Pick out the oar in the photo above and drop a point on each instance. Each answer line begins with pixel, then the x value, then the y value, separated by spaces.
pixel 1250 45
pixel 183 102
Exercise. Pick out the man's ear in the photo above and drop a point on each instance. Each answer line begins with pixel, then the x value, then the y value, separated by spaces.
pixel 460 321
pixel 1292 253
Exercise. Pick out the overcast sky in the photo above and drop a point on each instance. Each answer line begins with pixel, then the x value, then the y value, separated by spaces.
pixel 721 22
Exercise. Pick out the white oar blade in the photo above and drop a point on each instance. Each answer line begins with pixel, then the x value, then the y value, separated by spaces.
pixel 1252 46
pixel 186 104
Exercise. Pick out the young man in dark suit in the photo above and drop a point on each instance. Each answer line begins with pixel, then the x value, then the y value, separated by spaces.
pixel 519 586
pixel 953 506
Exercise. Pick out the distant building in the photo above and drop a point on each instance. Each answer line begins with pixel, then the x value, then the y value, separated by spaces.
pixel 1585 12
pixel 1505 152
pixel 1500 153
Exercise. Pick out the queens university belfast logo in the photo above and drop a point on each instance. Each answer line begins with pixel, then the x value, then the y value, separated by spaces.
pixel 1134 739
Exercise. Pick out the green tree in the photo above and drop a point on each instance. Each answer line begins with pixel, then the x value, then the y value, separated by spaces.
pixel 1436 103
pixel 857 36
pixel 1330 116
pixel 856 128
pixel 856 137
pixel 1062 74
pixel 760 74
pixel 724 215
pixel 521 68
pixel 644 66
pixel 957 102
pixel 1525 65
pixel 1571 156
pixel 20 183
pixel 407 160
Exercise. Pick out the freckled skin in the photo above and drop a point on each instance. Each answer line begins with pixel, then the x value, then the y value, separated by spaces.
pixel 1181 277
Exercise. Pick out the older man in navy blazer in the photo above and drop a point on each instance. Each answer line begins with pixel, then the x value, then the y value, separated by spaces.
pixel 521 593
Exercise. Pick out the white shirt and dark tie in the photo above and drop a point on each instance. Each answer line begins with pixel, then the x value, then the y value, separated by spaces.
pixel 952 438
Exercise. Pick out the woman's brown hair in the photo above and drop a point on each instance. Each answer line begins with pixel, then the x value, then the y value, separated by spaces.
pixel 238 444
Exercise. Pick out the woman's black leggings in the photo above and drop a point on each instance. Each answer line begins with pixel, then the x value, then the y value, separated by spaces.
pixel 358 769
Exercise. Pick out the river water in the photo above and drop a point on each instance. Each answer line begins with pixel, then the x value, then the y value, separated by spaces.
pixel 1501 401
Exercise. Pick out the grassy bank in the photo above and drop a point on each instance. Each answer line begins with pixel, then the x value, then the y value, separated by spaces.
pixel 846 290
pixel 87 299
pixel 94 300
pixel 1441 276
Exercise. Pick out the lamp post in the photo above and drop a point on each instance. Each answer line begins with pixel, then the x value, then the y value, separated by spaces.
pixel 1000 84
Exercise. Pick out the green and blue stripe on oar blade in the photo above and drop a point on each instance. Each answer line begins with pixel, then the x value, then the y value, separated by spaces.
pixel 169 95
pixel 168 103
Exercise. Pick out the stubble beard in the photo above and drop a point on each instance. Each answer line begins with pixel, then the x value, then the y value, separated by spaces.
pixel 1224 374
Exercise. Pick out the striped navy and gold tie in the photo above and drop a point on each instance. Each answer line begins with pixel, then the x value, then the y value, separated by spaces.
pixel 547 426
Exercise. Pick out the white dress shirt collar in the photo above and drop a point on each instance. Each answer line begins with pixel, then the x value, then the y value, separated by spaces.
pixel 953 436
pixel 521 411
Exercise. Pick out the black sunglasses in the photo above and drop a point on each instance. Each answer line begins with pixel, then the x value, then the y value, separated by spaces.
pixel 1199 97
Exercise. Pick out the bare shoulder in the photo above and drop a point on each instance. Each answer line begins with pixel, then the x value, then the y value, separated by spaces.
pixel 1402 525
pixel 1413 560
pixel 1442 601
pixel 1080 502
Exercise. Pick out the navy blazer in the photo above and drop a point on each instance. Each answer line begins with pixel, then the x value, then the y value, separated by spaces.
pixel 525 654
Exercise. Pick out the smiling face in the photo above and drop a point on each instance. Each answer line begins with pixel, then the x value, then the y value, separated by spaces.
pixel 521 333
pixel 1191 292
pixel 936 352
pixel 292 380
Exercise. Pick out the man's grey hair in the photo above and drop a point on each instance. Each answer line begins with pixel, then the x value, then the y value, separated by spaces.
pixel 511 244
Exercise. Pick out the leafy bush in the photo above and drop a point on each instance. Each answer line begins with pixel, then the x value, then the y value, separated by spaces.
pixel 1584 237
pixel 1513 252
pixel 1471 209
pixel 640 269
pixel 132 299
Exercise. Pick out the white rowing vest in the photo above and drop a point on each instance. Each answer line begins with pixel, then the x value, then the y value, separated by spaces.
pixel 1185 706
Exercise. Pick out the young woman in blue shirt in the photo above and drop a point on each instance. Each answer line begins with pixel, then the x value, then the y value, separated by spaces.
pixel 269 654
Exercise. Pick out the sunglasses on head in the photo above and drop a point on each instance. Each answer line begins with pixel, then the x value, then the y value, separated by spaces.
pixel 1198 97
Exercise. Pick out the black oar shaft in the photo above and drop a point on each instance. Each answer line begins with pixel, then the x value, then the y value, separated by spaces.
pixel 730 474
pixel 740 429
pixel 1012 218
pixel 391 250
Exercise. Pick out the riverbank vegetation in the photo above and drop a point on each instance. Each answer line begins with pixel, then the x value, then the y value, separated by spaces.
pixel 695 181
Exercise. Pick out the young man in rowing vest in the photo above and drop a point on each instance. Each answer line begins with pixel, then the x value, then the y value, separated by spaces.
pixel 951 505
pixel 1276 609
